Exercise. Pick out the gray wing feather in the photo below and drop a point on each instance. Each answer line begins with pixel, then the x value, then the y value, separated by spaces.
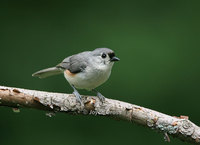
pixel 47 72
pixel 75 63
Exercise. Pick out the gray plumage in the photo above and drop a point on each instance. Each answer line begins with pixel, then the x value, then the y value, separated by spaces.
pixel 75 63
pixel 85 70
pixel 47 72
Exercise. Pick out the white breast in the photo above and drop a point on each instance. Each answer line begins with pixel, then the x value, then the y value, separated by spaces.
pixel 91 77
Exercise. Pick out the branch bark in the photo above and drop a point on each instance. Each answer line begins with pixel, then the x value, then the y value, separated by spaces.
pixel 179 127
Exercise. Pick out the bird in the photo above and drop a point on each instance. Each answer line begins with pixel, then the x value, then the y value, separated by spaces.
pixel 86 70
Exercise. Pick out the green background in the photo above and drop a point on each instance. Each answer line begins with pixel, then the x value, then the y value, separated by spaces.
pixel 158 43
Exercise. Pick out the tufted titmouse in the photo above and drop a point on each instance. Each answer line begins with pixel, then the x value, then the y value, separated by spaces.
pixel 85 70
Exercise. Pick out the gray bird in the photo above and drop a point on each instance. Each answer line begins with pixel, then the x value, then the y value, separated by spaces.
pixel 85 70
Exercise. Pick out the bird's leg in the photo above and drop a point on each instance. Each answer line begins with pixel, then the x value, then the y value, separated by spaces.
pixel 76 93
pixel 99 95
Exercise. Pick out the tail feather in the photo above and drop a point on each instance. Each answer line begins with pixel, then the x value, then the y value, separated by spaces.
pixel 47 72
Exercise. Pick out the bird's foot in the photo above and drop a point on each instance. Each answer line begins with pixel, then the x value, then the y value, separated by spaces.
pixel 78 97
pixel 101 97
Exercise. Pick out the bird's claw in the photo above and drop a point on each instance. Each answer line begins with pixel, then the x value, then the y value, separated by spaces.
pixel 101 97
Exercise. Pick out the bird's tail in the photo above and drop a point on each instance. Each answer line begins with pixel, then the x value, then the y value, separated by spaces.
pixel 47 72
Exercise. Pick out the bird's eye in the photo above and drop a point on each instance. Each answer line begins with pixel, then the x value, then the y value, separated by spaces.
pixel 103 55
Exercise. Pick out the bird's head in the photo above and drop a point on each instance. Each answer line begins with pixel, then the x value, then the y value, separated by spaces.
pixel 104 57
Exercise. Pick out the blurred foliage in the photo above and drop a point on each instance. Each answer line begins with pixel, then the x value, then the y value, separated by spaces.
pixel 158 43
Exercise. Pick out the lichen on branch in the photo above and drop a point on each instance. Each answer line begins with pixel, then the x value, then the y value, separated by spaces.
pixel 179 127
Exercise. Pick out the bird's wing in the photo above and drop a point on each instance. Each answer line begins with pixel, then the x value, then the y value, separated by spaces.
pixel 75 63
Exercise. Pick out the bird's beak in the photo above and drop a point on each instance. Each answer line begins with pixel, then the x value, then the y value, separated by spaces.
pixel 114 59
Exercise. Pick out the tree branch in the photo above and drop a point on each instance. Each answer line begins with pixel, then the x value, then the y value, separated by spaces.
pixel 179 127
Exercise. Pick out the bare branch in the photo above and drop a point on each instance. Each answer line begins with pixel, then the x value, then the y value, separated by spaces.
pixel 179 127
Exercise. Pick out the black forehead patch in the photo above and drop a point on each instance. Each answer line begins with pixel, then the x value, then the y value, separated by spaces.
pixel 111 55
